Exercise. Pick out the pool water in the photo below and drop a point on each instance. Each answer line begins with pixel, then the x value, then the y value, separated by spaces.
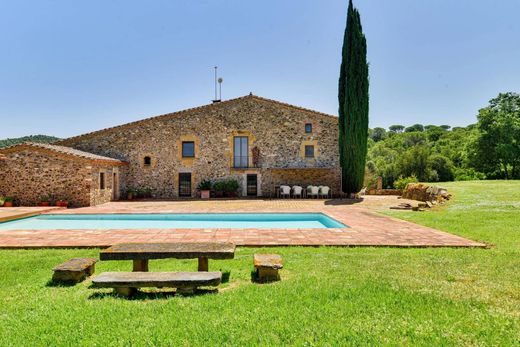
pixel 175 221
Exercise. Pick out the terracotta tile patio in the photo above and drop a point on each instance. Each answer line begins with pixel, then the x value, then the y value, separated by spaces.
pixel 366 227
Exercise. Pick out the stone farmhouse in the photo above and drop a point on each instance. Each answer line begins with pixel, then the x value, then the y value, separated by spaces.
pixel 259 142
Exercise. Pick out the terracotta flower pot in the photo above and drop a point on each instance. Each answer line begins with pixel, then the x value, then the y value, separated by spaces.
pixel 8 204
pixel 62 203
pixel 204 194
pixel 44 203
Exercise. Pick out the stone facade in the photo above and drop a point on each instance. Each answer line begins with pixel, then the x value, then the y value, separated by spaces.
pixel 275 131
pixel 30 173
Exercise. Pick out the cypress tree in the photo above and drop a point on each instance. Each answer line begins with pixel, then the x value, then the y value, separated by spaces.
pixel 353 104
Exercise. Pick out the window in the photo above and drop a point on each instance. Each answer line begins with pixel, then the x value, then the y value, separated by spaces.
pixel 188 149
pixel 147 161
pixel 101 180
pixel 309 151
pixel 308 128
pixel 241 151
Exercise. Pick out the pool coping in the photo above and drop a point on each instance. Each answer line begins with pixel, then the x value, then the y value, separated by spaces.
pixel 21 215
pixel 369 230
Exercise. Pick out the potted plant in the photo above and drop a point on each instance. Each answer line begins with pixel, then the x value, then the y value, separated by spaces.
pixel 8 201
pixel 45 201
pixel 205 189
pixel 2 199
pixel 219 188
pixel 231 188
pixel 146 193
pixel 130 194
pixel 62 202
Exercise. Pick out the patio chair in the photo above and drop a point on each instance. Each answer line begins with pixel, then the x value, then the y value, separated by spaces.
pixel 285 191
pixel 312 191
pixel 297 191
pixel 324 191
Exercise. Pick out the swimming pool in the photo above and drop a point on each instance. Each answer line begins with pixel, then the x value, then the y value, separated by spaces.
pixel 175 221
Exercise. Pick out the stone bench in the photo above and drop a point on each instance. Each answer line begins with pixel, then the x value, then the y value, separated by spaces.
pixel 74 270
pixel 126 283
pixel 267 266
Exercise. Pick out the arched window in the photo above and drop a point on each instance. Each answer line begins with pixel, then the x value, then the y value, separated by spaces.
pixel 147 161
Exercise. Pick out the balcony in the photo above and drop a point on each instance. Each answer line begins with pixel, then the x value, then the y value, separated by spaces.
pixel 242 162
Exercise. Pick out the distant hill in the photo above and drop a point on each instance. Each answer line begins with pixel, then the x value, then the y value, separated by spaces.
pixel 31 138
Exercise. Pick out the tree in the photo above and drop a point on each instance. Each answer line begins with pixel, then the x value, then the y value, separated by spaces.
pixel 434 132
pixel 497 148
pixel 415 127
pixel 442 166
pixel 396 128
pixel 414 162
pixel 445 127
pixel 353 104
pixel 378 134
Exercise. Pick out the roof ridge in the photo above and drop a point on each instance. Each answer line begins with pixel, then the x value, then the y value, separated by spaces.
pixel 192 109
pixel 176 113
pixel 292 106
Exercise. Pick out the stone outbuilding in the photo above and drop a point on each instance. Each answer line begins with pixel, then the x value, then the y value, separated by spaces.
pixel 31 172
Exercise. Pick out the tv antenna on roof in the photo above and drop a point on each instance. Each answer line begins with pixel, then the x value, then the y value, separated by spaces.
pixel 218 80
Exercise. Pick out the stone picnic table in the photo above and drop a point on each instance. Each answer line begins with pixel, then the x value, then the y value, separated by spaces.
pixel 141 253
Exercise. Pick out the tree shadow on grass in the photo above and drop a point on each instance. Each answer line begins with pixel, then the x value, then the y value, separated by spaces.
pixel 156 295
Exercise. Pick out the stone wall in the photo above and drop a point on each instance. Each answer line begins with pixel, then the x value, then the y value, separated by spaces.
pixel 29 175
pixel 97 195
pixel 302 177
pixel 277 130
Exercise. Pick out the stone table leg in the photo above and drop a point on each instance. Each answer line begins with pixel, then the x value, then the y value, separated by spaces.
pixel 203 264
pixel 124 291
pixel 140 265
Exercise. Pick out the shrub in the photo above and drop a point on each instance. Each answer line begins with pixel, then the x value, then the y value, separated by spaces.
pixel 46 198
pixel 232 186
pixel 401 182
pixel 205 185
pixel 2 199
pixel 141 193
pixel 219 186
pixel 468 175
pixel 227 186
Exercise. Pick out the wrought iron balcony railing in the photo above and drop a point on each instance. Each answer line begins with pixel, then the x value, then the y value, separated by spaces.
pixel 241 162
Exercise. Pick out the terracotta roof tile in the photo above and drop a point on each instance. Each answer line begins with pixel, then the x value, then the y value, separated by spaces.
pixel 62 150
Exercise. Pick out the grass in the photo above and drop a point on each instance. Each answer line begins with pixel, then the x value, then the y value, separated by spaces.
pixel 328 296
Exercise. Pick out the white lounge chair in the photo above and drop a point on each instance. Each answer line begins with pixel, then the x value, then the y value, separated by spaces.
pixel 324 191
pixel 312 191
pixel 297 191
pixel 285 191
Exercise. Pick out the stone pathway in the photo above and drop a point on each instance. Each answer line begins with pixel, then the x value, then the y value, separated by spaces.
pixel 367 228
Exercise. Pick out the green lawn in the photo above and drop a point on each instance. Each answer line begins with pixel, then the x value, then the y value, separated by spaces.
pixel 328 296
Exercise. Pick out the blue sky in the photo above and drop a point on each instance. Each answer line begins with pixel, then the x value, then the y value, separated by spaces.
pixel 69 67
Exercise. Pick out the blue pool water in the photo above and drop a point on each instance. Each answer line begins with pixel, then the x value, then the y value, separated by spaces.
pixel 175 221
